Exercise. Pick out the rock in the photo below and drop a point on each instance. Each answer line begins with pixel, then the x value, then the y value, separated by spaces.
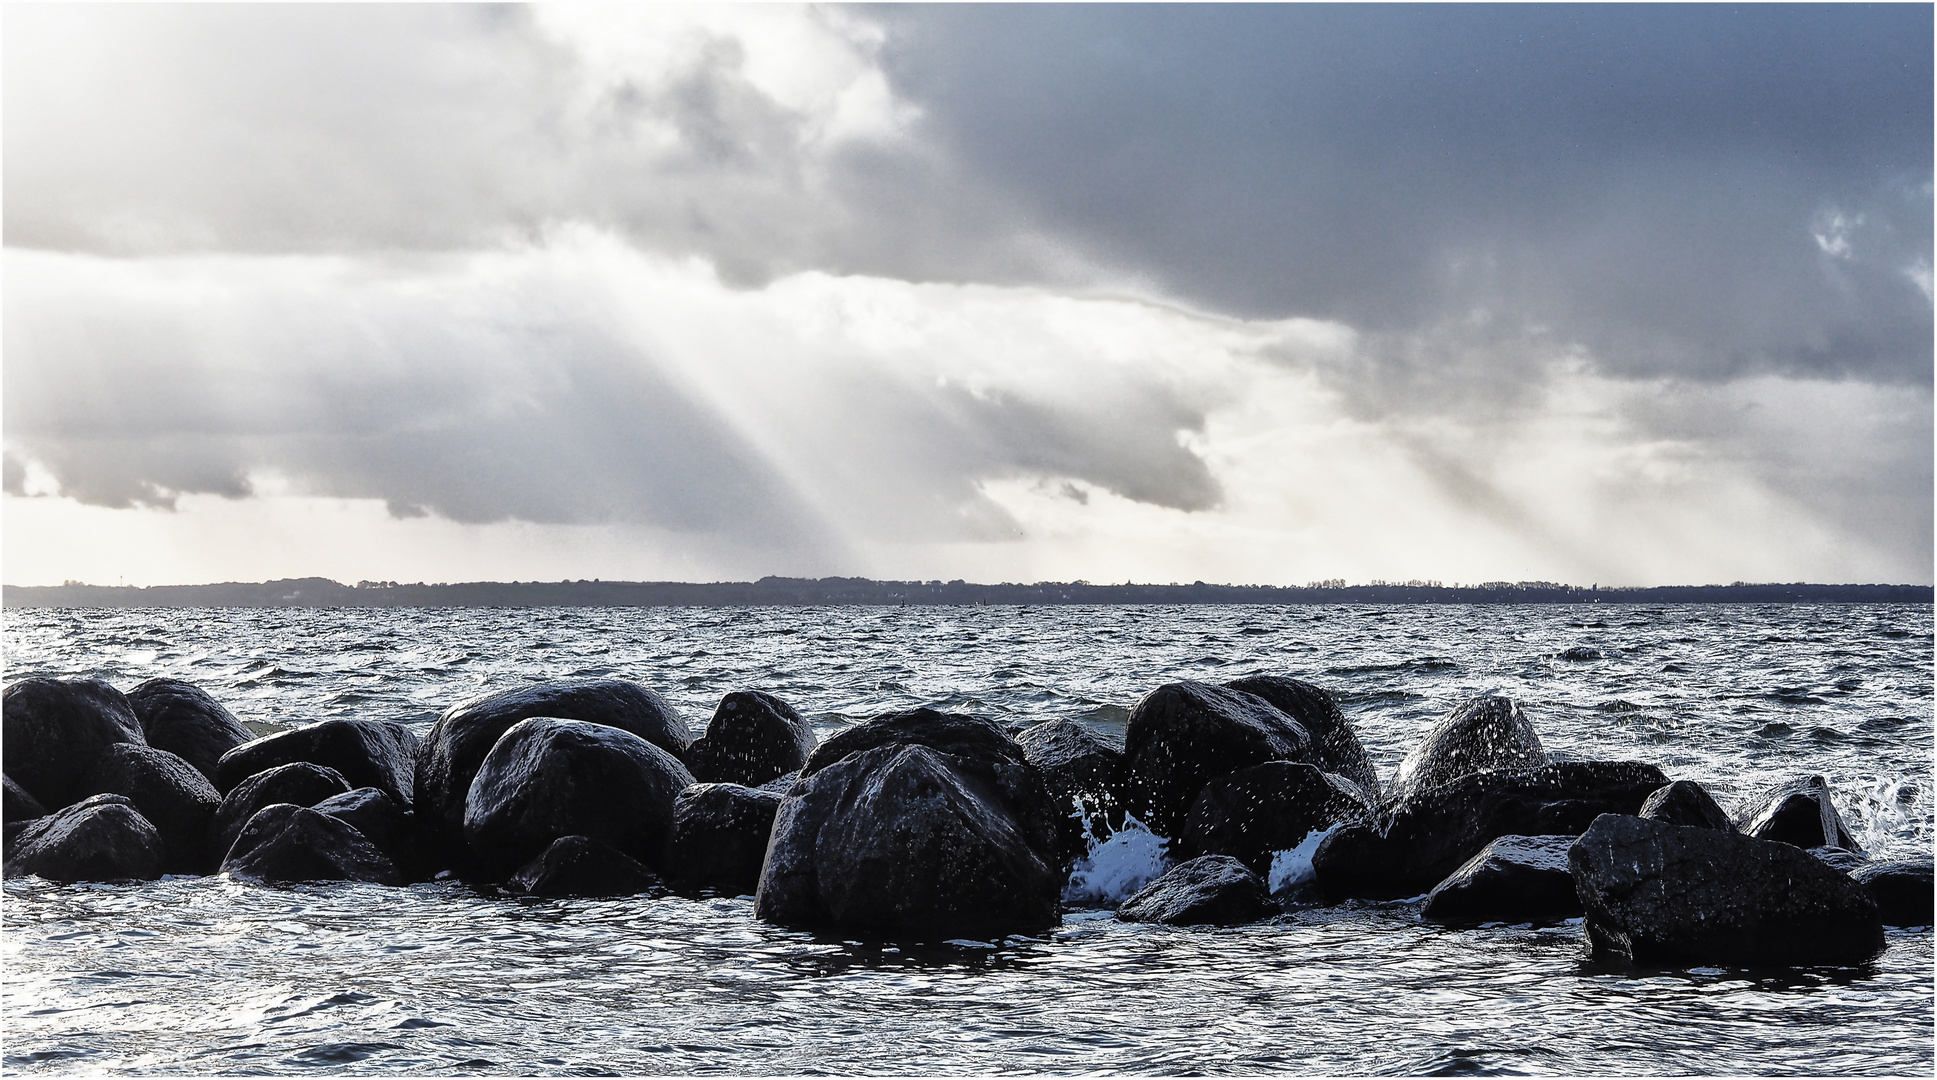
pixel 1656 892
pixel 1437 829
pixel 1513 879
pixel 1335 747
pixel 904 840
pixel 457 743
pixel 1901 889
pixel 1077 765
pixel 387 825
pixel 950 733
pixel 1252 813
pixel 1838 859
pixel 176 798
pixel 582 866
pixel 299 783
pixel 719 837
pixel 367 753
pixel 284 843
pixel 19 806
pixel 51 730
pixel 1184 735
pixel 101 838
pixel 1685 802
pixel 1485 734
pixel 1210 890
pixel 752 738
pixel 549 778
pixel 184 720
pixel 1798 812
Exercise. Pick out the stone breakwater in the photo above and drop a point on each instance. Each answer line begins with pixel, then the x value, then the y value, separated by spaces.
pixel 1258 795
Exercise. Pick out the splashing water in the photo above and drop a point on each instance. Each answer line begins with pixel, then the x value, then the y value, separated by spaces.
pixel 1292 867
pixel 1882 810
pixel 1130 858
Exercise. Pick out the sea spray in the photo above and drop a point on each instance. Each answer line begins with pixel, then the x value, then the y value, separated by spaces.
pixel 1886 815
pixel 1117 866
pixel 1292 868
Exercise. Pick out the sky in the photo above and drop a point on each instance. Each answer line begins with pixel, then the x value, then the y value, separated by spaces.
pixel 1258 294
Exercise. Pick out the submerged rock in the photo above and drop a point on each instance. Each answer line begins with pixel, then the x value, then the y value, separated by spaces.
pixel 549 778
pixel 1901 889
pixel 752 738
pixel 1656 892
pixel 719 837
pixel 170 793
pixel 1436 830
pixel 1685 802
pixel 582 866
pixel 1798 812
pixel 298 783
pixel 367 753
pixel 1484 734
pixel 1253 813
pixel 184 720
pixel 906 840
pixel 101 838
pixel 1210 890
pixel 51 730
pixel 1513 879
pixel 284 843
pixel 1335 747
pixel 1185 734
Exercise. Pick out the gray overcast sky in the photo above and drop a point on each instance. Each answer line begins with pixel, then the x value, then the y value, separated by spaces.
pixel 1255 293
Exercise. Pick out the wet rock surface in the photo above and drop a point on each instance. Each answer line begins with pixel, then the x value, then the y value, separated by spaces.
pixel 1077 766
pixel 367 753
pixel 284 844
pixel 18 805
pixel 752 738
pixel 1211 890
pixel 719 838
pixel 1685 802
pixel 382 821
pixel 1335 747
pixel 582 866
pixel 299 783
pixel 1253 813
pixel 172 794
pixel 1512 879
pixel 51 730
pixel 1798 812
pixel 1901 888
pixel 101 838
pixel 1484 734
pixel 184 720
pixel 1183 735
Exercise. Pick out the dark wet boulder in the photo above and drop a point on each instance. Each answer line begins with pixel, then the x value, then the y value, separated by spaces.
pixel 1685 802
pixel 19 806
pixel 719 838
pixel 1798 812
pixel 1335 747
pixel 175 798
pixel 950 733
pixel 1210 890
pixel 381 820
pixel 1513 879
pixel 457 743
pixel 184 720
pixel 51 730
pixel 1436 830
pixel 582 866
pixel 367 753
pixel 1253 813
pixel 549 778
pixel 752 738
pixel 1077 764
pixel 283 843
pixel 299 783
pixel 1901 889
pixel 1660 893
pixel 1484 734
pixel 1839 859
pixel 902 840
pixel 1183 735
pixel 101 838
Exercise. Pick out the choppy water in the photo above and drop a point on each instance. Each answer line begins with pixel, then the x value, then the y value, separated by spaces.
pixel 204 976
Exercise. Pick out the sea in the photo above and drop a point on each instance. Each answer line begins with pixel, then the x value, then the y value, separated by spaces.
pixel 209 976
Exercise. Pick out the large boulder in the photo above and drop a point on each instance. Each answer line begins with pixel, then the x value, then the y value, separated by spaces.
pixel 752 738
pixel 1434 831
pixel 18 806
pixel 1183 735
pixel 582 866
pixel 1901 889
pixel 1484 734
pixel 381 820
pixel 367 753
pixel 1210 890
pixel 1253 813
pixel 1798 812
pixel 184 720
pixel 719 837
pixel 549 778
pixel 101 838
pixel 176 798
pixel 1078 765
pixel 51 730
pixel 1685 802
pixel 1513 879
pixel 1676 894
pixel 1335 747
pixel 903 840
pixel 299 783
pixel 457 743
pixel 285 843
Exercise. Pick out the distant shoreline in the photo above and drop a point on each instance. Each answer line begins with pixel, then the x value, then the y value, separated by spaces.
pixel 810 592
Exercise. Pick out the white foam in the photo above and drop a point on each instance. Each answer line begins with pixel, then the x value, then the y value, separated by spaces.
pixel 1115 869
pixel 1293 866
